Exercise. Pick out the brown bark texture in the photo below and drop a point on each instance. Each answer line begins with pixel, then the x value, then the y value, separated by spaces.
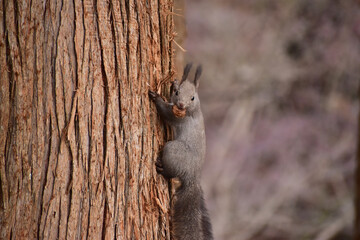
pixel 78 134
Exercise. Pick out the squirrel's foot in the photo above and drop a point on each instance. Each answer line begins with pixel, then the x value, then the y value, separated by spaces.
pixel 153 95
pixel 159 166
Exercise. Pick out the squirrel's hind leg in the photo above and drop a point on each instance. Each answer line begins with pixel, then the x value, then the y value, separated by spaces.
pixel 171 163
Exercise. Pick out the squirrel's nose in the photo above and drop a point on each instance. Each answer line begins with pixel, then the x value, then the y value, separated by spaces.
pixel 181 106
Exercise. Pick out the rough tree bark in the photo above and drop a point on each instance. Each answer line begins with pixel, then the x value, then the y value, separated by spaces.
pixel 78 135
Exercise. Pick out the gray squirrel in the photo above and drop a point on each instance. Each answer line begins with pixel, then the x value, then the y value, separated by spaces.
pixel 183 157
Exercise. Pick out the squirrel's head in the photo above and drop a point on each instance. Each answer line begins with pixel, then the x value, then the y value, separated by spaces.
pixel 184 94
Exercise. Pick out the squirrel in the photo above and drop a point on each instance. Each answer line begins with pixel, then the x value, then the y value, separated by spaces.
pixel 183 156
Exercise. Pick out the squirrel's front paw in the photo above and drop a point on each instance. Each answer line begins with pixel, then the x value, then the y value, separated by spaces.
pixel 153 95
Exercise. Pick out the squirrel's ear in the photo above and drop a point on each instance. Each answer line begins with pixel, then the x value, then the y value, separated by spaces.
pixel 186 72
pixel 197 76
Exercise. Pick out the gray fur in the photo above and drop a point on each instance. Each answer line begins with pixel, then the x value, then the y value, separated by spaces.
pixel 183 158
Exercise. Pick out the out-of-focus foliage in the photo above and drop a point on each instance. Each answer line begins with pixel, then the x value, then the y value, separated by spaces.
pixel 279 94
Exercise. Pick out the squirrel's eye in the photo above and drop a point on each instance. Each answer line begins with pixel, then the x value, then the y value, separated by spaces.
pixel 192 99
pixel 177 93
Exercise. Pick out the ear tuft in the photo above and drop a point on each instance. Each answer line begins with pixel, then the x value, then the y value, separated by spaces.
pixel 197 76
pixel 186 72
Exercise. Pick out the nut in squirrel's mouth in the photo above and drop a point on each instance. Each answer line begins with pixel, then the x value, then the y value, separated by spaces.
pixel 179 113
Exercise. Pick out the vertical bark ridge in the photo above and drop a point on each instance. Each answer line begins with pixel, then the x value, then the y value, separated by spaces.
pixel 5 108
pixel 43 132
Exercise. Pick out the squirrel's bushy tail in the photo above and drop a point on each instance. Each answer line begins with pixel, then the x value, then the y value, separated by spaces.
pixel 205 220
pixel 190 218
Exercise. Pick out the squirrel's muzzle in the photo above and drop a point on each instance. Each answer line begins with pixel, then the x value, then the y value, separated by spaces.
pixel 181 106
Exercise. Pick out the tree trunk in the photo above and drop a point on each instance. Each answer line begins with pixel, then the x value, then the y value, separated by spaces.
pixel 78 134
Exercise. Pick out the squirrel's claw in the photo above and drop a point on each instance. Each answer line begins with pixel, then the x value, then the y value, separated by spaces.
pixel 152 94
pixel 159 170
pixel 159 166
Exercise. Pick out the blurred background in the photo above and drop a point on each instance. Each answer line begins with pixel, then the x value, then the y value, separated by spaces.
pixel 279 94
